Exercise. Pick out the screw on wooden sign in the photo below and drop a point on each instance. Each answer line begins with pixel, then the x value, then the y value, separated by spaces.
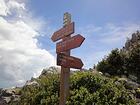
pixel 63 54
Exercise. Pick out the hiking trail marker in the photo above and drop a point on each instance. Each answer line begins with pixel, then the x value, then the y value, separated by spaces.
pixel 63 54
pixel 69 44
pixel 69 61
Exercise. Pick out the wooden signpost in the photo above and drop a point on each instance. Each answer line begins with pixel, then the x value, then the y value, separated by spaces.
pixel 69 61
pixel 70 43
pixel 63 32
pixel 63 54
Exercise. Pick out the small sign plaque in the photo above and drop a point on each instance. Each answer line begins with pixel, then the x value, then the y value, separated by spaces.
pixel 69 61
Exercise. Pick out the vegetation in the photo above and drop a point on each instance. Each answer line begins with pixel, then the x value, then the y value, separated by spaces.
pixel 120 63
pixel 113 64
pixel 133 63
pixel 86 88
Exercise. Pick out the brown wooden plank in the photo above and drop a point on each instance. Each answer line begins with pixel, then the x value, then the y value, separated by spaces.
pixel 63 32
pixel 70 43
pixel 69 61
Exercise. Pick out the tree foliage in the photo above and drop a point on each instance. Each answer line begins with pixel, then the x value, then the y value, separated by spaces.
pixel 113 64
pixel 122 63
pixel 86 89
pixel 133 63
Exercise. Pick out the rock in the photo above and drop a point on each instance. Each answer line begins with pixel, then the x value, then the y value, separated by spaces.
pixel 119 81
pixel 122 79
pixel 101 73
pixel 138 101
pixel 132 77
pixel 33 83
pixel 50 70
pixel 135 39
pixel 8 95
pixel 107 74
pixel 131 85
pixel 7 99
pixel 15 98
pixel 3 102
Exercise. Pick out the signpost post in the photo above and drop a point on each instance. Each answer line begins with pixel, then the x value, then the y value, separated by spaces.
pixel 63 54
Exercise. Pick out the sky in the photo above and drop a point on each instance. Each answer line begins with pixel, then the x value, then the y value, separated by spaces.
pixel 26 27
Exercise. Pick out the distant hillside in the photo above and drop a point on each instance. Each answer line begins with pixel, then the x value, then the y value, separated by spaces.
pixel 125 61
pixel 132 42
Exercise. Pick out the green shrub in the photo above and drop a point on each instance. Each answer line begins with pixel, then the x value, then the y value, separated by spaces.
pixel 90 89
pixel 86 88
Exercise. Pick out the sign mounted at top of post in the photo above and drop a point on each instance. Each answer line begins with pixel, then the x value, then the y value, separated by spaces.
pixel 63 32
pixel 67 30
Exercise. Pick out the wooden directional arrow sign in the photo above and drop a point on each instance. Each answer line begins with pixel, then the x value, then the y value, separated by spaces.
pixel 70 43
pixel 69 61
pixel 63 32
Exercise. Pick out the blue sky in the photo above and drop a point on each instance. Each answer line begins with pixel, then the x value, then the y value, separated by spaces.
pixel 26 27
pixel 93 19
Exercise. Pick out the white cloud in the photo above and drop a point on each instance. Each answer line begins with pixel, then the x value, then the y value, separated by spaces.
pixel 20 56
pixel 9 7
pixel 109 33
pixel 89 29
pixel 117 33
pixel 3 8
pixel 15 7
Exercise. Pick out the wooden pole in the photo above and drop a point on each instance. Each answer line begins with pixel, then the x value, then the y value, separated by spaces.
pixel 64 84
pixel 65 72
